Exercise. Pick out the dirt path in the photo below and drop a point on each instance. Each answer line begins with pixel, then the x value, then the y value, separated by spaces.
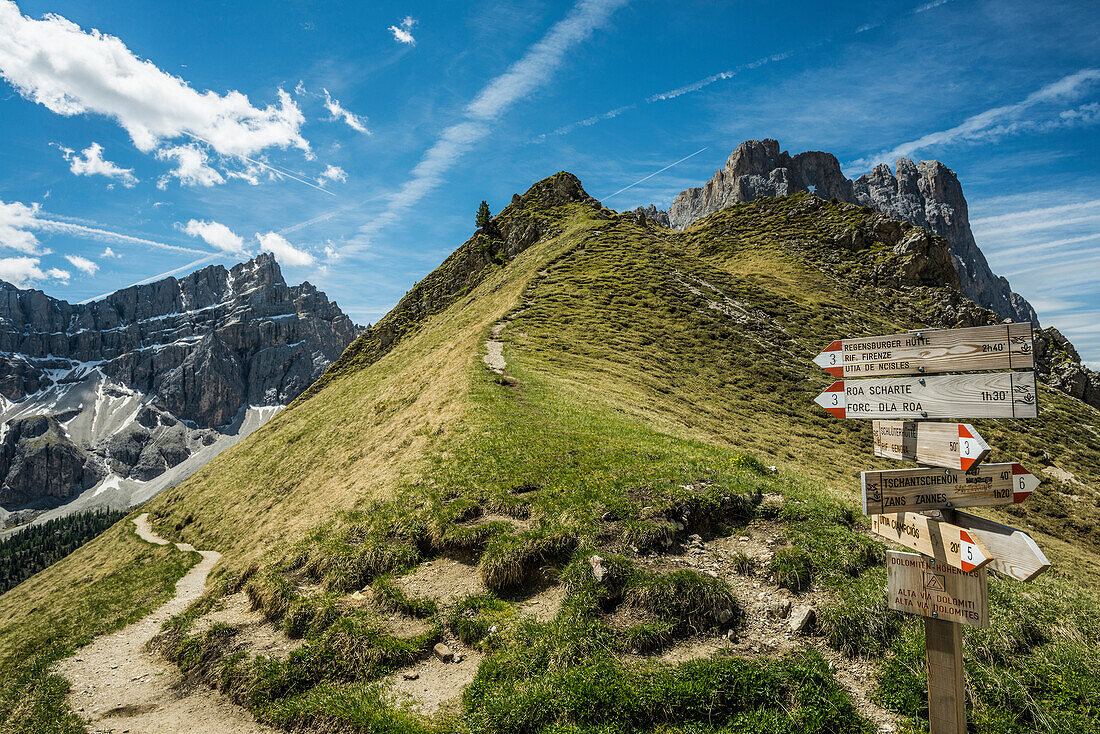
pixel 494 359
pixel 119 686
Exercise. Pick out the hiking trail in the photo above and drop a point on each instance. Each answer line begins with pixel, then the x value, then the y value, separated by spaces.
pixel 118 685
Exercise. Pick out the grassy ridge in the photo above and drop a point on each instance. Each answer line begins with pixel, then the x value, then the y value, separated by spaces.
pixel 651 377
pixel 630 361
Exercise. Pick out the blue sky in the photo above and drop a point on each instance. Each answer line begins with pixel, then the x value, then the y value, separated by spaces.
pixel 355 140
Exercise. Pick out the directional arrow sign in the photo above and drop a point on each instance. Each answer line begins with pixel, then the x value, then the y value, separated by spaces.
pixel 950 445
pixel 1006 346
pixel 1015 553
pixel 901 490
pixel 943 541
pixel 992 395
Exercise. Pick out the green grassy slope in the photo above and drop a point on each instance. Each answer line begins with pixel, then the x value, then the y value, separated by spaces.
pixel 651 378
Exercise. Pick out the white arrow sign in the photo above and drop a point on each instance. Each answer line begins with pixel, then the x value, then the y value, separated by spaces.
pixel 992 395
pixel 934 538
pixel 1004 346
pixel 911 490
pixel 950 445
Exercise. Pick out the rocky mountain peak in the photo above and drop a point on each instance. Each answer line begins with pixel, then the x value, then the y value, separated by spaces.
pixel 259 271
pixel 154 373
pixel 927 194
pixel 561 188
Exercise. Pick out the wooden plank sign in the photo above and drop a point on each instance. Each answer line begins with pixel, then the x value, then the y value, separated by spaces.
pixel 950 445
pixel 987 395
pixel 986 485
pixel 1001 347
pixel 917 585
pixel 1015 553
pixel 940 540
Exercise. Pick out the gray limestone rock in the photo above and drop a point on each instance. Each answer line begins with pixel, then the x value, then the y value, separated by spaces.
pixel 37 460
pixel 927 194
pixel 802 620
pixel 171 366
pixel 205 345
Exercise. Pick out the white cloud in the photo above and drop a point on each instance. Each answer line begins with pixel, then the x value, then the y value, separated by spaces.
pixel 216 235
pixel 534 69
pixel 1044 218
pixel 83 264
pixel 70 71
pixel 191 167
pixel 289 254
pixel 93 164
pixel 354 121
pixel 251 174
pixel 332 173
pixel 22 271
pixel 999 121
pixel 109 253
pixel 403 33
pixel 542 60
pixel 588 121
pixel 15 220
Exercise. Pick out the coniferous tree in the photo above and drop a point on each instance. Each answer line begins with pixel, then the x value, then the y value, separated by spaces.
pixel 28 552
pixel 484 218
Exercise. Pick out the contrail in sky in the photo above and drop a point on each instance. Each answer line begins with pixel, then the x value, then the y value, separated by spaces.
pixel 670 165
pixel 261 164
pixel 151 278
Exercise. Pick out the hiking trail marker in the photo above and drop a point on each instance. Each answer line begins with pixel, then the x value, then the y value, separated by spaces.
pixel 1015 553
pixel 950 445
pixel 948 544
pixel 984 395
pixel 946 582
pixel 910 490
pixel 918 585
pixel 1001 347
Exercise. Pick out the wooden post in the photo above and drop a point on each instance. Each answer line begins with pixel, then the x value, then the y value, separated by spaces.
pixel 943 643
pixel 946 690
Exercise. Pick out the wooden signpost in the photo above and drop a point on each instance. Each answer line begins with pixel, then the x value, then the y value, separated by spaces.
pixel 915 508
pixel 986 395
pixel 950 445
pixel 918 585
pixel 947 543
pixel 1015 553
pixel 1001 347
pixel 986 485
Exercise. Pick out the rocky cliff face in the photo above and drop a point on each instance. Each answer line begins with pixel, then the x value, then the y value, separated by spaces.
pixel 927 194
pixel 130 386
pixel 37 458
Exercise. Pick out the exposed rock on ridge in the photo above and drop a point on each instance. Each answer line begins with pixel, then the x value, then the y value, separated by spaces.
pixel 37 458
pixel 927 194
